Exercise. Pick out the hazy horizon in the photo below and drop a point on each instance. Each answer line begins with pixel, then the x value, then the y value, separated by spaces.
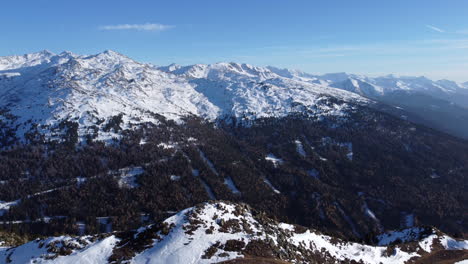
pixel 372 75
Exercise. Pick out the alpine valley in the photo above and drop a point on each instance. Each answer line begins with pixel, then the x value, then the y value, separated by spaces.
pixel 104 159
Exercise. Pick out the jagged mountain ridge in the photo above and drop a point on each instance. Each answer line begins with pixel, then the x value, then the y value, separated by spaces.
pixel 91 89
pixel 441 104
pixel 379 85
pixel 219 231
pixel 364 85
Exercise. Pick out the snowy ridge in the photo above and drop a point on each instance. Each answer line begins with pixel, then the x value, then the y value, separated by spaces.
pixel 375 85
pixel 427 238
pixel 92 90
pixel 61 250
pixel 244 90
pixel 219 231
pixel 27 60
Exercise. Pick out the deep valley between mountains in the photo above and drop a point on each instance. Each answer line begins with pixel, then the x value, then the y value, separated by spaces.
pixel 101 156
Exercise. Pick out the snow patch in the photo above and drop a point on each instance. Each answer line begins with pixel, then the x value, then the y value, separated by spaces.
pixel 167 145
pixel 175 178
pixel 314 173
pixel 230 184
pixel 207 162
pixel 351 251
pixel 300 148
pixel 208 189
pixel 271 186
pixel 273 159
pixel 127 176
pixel 5 206
pixel 401 236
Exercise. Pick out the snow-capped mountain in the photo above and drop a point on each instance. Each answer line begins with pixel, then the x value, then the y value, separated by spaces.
pixel 41 90
pixel 381 85
pixel 441 104
pixel 27 60
pixel 87 89
pixel 217 231
pixel 375 87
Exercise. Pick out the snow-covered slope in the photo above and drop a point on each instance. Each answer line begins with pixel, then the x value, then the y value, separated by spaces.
pixel 27 60
pixel 220 231
pixel 63 249
pixel 243 90
pixel 92 89
pixel 45 89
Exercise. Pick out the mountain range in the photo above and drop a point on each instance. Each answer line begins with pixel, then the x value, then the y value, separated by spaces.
pixel 67 86
pixel 106 159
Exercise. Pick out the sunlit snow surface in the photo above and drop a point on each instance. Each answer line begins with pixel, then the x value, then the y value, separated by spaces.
pixel 87 252
pixel 271 186
pixel 5 206
pixel 273 159
pixel 300 148
pixel 127 176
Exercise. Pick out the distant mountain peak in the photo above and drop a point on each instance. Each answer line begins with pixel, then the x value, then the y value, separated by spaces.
pixel 46 52
pixel 336 77
pixel 111 56
pixel 26 60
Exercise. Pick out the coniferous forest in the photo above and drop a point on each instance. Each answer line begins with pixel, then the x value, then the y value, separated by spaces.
pixel 350 178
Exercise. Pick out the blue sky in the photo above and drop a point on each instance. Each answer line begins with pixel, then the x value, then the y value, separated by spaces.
pixel 415 37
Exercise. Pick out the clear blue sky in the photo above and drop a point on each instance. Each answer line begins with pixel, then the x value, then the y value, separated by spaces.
pixel 411 37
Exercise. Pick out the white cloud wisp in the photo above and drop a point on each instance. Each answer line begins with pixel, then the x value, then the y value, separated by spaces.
pixel 138 27
pixel 435 28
